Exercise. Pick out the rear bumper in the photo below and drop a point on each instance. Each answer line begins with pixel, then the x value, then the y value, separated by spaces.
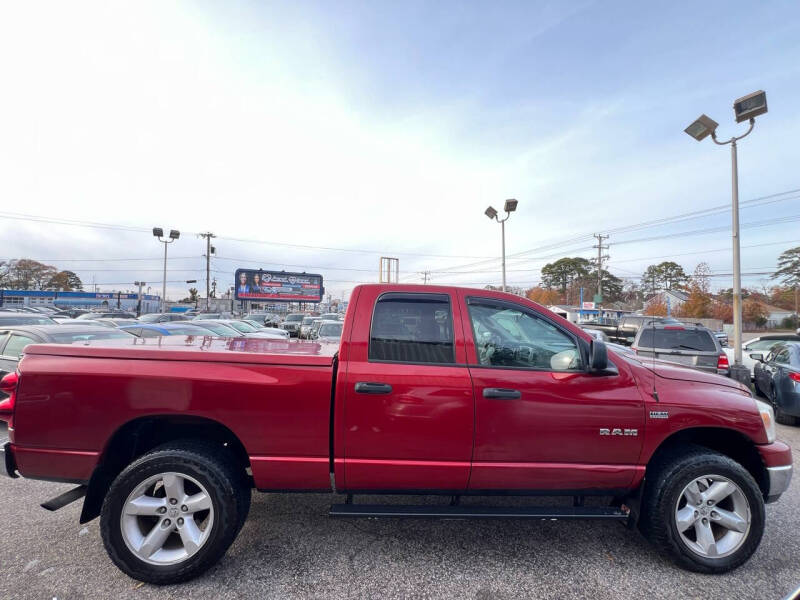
pixel 8 460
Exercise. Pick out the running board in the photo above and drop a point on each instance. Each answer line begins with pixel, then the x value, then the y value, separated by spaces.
pixel 65 498
pixel 477 512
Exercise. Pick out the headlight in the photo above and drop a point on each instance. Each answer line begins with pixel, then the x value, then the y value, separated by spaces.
pixel 768 418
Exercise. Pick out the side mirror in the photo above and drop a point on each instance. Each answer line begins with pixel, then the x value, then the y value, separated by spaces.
pixel 598 356
pixel 757 356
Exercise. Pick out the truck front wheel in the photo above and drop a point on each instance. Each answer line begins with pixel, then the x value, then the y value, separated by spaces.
pixel 173 513
pixel 704 509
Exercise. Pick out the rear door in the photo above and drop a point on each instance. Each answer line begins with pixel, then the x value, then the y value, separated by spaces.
pixel 12 347
pixel 541 421
pixel 409 411
pixel 691 347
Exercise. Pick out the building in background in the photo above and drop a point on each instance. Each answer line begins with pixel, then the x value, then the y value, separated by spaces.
pixel 88 300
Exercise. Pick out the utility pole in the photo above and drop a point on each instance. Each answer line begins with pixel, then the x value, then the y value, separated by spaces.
pixel 600 258
pixel 209 251
pixel 141 284
pixel 425 276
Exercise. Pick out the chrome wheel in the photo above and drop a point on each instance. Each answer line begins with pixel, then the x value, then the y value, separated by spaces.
pixel 167 518
pixel 712 516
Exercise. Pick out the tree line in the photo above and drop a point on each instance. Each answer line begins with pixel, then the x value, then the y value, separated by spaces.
pixel 27 274
pixel 561 282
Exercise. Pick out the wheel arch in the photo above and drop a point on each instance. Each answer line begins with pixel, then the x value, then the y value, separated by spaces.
pixel 138 436
pixel 729 442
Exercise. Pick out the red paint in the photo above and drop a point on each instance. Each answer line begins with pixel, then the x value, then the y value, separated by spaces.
pixel 8 386
pixel 435 431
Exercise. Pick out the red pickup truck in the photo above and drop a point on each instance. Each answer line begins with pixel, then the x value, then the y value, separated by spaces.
pixel 433 390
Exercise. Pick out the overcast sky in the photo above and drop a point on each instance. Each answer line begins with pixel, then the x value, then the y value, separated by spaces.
pixel 386 129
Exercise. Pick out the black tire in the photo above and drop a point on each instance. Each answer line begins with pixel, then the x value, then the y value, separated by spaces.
pixel 780 416
pixel 667 477
pixel 214 468
pixel 756 389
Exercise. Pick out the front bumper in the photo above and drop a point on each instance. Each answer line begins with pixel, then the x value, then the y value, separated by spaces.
pixel 778 480
pixel 8 460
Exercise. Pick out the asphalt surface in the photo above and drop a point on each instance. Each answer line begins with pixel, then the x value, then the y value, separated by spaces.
pixel 289 548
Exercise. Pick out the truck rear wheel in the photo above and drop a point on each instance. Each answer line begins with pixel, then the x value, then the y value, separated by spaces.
pixel 703 509
pixel 173 513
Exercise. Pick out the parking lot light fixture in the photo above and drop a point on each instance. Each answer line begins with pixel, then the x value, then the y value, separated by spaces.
pixel 702 127
pixel 746 108
pixel 510 206
pixel 174 234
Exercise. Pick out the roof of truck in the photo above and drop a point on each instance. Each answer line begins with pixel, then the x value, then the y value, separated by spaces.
pixel 199 348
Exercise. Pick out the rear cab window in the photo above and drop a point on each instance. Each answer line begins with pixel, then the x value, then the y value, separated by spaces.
pixel 412 328
pixel 677 339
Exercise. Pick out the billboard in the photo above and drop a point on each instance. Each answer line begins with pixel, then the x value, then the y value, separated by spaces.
pixel 277 286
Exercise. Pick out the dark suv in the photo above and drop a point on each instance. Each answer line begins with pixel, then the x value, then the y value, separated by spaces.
pixel 691 345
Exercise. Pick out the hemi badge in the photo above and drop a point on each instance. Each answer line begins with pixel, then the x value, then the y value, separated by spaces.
pixel 659 414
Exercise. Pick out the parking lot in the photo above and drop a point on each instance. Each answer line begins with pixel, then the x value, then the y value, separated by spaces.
pixel 290 548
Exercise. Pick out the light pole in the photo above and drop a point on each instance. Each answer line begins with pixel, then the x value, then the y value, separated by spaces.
pixel 746 108
pixel 174 234
pixel 510 206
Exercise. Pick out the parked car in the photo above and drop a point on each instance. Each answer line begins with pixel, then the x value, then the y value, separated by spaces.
pixel 8 318
pixel 232 328
pixel 329 331
pixel 691 345
pixel 116 322
pixel 330 317
pixel 625 330
pixel 83 322
pixel 107 314
pixel 167 317
pixel 70 313
pixel 777 376
pixel 245 328
pixel 305 327
pixel 13 340
pixel 436 390
pixel 763 345
pixel 264 329
pixel 722 337
pixel 292 323
pixel 207 316
pixel 267 319
pixel 148 330
pixel 596 334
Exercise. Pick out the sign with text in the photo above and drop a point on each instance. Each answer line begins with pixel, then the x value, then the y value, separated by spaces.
pixel 278 286
pixel 588 305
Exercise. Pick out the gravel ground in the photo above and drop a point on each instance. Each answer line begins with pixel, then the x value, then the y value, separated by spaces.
pixel 289 548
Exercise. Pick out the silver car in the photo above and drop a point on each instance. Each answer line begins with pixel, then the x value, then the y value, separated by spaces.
pixel 690 345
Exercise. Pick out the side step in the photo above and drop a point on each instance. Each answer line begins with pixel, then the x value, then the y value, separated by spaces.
pixel 62 500
pixel 477 512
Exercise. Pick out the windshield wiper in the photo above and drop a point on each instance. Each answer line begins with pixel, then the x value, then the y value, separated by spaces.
pixel 685 347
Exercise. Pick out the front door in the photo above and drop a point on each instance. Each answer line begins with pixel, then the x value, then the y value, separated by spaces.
pixel 541 421
pixel 408 414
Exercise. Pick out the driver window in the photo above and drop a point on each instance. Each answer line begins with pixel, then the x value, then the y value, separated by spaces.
pixel 506 337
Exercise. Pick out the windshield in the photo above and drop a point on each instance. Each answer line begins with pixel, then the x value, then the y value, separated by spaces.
pixel 151 318
pixel 70 336
pixel 295 318
pixel 26 320
pixel 242 326
pixel 187 330
pixel 331 330
pixel 308 320
pixel 220 329
pixel 678 339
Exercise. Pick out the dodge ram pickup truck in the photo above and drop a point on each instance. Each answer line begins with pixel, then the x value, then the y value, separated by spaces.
pixel 432 390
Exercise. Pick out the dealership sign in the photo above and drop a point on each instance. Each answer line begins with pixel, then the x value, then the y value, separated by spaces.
pixel 278 286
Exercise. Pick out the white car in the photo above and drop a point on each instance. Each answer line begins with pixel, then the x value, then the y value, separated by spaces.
pixel 761 345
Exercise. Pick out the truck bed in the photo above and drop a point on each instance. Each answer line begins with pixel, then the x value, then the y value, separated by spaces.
pixel 273 395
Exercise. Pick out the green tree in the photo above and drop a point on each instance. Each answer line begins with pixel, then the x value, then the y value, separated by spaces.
pixel 789 267
pixel 667 275
pixel 564 272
